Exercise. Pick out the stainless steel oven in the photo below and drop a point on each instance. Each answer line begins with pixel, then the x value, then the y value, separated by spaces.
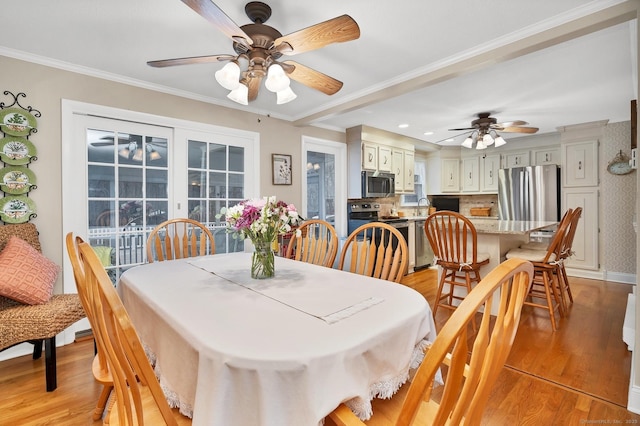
pixel 359 213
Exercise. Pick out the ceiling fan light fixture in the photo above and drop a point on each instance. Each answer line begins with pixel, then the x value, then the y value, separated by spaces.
pixel 277 80
pixel 468 142
pixel 229 76
pixel 480 144
pixel 500 141
pixel 487 139
pixel 240 94
pixel 285 96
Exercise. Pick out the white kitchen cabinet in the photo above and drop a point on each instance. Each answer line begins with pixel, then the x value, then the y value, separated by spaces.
pixel 516 159
pixel 384 159
pixel 471 174
pixel 544 156
pixel 490 164
pixel 398 169
pixel 450 175
pixel 403 168
pixel 580 160
pixel 585 242
pixel 409 171
pixel 369 156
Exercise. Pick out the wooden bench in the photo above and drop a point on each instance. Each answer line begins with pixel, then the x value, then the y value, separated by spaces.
pixel 21 323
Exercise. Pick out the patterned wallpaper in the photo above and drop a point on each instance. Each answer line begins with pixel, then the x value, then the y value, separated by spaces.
pixel 617 202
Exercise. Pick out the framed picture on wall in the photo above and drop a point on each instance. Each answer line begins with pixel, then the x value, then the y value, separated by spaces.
pixel 281 169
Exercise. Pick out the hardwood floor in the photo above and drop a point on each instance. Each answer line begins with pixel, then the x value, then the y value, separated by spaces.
pixel 575 376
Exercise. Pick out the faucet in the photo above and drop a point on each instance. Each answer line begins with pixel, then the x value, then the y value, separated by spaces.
pixel 426 205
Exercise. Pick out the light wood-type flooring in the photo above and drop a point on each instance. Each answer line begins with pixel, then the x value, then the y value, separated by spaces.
pixel 578 375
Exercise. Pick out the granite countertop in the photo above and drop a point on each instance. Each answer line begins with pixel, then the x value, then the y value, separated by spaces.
pixel 514 227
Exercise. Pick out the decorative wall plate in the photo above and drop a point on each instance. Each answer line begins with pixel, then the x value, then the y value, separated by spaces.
pixel 17 180
pixel 17 121
pixel 17 151
pixel 16 208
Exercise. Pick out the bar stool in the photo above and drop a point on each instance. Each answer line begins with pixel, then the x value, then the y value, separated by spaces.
pixel 454 241
pixel 546 289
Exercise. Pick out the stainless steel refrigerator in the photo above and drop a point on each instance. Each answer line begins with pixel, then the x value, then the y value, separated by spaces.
pixel 529 193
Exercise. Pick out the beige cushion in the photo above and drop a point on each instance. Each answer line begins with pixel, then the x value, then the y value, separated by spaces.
pixel 535 245
pixel 530 255
pixel 25 274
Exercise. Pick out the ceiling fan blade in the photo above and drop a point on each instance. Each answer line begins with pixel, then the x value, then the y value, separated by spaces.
pixel 190 60
pixel 512 123
pixel 312 78
pixel 254 87
pixel 519 129
pixel 212 13
pixel 462 128
pixel 336 30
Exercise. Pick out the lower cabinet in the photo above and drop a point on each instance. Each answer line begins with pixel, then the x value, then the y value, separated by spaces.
pixel 585 243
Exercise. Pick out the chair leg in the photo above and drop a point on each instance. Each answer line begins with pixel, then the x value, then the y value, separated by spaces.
pixel 547 290
pixel 102 402
pixel 439 293
pixel 565 279
pixel 50 363
pixel 37 348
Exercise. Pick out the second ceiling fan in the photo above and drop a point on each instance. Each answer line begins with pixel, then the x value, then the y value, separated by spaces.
pixel 485 131
pixel 262 46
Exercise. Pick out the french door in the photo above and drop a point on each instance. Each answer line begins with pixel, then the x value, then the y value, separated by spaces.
pixel 324 182
pixel 124 177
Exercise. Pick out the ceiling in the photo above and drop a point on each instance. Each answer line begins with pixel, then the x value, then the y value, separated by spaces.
pixel 431 64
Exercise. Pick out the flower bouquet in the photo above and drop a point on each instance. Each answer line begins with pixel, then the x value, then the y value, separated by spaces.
pixel 261 220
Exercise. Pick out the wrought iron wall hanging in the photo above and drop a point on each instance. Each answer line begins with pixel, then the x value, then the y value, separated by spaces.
pixel 17 124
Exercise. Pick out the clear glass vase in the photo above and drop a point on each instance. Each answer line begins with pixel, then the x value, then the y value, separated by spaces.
pixel 262 261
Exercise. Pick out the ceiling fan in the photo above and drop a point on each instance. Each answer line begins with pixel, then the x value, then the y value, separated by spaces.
pixel 262 46
pixel 484 131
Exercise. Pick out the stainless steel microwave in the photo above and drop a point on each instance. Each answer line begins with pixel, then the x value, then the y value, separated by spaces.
pixel 378 185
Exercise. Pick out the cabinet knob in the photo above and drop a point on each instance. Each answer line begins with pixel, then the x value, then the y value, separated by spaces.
pixel 370 157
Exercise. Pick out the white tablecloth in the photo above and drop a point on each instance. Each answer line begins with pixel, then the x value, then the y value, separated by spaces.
pixel 230 350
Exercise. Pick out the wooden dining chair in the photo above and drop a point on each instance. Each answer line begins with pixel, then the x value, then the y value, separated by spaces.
pixel 316 243
pixel 546 289
pixel 139 399
pixel 178 239
pixel 377 250
pixel 566 251
pixel 469 370
pixel 454 241
pixel 99 366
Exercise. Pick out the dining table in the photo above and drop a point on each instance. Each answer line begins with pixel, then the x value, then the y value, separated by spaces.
pixel 231 350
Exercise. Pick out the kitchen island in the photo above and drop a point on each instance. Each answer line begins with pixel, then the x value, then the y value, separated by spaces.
pixel 496 237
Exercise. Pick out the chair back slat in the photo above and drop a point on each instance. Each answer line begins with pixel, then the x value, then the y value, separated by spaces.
pixel 178 239
pixel 315 242
pixel 376 250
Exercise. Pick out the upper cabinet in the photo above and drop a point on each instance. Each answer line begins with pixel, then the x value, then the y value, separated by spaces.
pixel 490 164
pixel 378 150
pixel 450 175
pixel 580 164
pixel 369 156
pixel 516 159
pixel 542 157
pixel 385 162
pixel 471 174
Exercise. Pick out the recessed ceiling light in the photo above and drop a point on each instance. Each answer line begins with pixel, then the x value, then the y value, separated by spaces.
pixel 428 133
pixel 403 126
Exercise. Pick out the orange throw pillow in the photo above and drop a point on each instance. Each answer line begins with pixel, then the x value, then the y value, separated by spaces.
pixel 25 274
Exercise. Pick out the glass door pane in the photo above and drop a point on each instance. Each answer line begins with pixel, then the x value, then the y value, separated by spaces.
pixel 321 186
pixel 127 175
pixel 216 180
